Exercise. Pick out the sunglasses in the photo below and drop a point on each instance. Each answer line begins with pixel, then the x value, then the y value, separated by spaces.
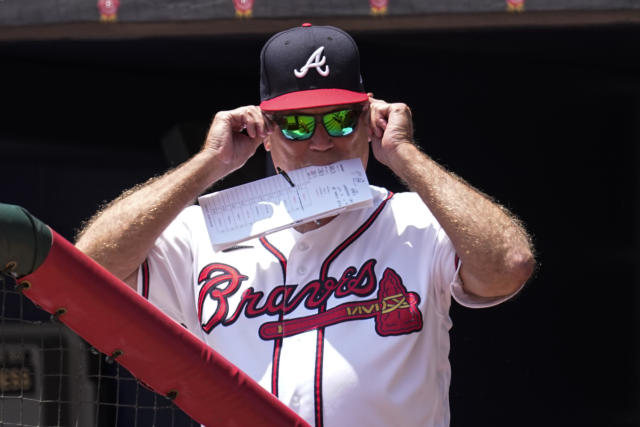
pixel 300 127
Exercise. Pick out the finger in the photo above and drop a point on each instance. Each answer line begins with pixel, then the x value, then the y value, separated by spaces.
pixel 248 124
pixel 238 118
pixel 372 98
pixel 235 120
pixel 378 131
pixel 379 115
pixel 269 124
pixel 251 120
pixel 376 101
pixel 260 121
pixel 260 129
pixel 374 130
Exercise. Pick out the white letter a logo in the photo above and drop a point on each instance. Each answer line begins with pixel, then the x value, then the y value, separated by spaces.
pixel 316 62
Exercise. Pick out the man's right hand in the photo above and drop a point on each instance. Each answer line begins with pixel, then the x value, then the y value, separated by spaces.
pixel 235 135
pixel 121 236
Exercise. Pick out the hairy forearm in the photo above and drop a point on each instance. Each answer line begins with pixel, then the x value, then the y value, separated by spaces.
pixel 495 249
pixel 120 236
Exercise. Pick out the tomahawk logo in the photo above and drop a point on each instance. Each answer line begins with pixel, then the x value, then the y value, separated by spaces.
pixel 314 61
pixel 395 310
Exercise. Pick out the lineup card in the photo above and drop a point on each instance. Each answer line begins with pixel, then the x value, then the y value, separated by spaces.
pixel 271 204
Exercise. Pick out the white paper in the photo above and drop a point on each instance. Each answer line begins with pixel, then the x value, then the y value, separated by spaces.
pixel 271 204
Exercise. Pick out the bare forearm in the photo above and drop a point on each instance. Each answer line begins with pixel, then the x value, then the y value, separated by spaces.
pixel 120 237
pixel 494 248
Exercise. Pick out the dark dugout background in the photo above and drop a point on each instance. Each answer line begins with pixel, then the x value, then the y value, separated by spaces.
pixel 544 120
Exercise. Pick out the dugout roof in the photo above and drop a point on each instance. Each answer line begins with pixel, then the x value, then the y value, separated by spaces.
pixel 43 19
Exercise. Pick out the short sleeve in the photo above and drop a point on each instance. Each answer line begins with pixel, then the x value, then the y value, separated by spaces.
pixel 447 280
pixel 166 276
pixel 474 301
pixel 444 270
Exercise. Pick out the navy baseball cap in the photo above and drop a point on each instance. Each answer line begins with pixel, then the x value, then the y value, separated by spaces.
pixel 308 67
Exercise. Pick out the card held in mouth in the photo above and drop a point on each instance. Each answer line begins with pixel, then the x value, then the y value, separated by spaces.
pixel 274 203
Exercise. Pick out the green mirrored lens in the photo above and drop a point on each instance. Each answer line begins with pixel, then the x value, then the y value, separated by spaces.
pixel 340 123
pixel 301 127
pixel 297 127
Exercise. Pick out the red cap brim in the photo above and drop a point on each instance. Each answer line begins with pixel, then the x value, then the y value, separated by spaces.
pixel 312 99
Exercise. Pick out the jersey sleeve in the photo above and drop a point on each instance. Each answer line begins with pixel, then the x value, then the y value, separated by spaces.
pixel 474 301
pixel 166 276
pixel 445 265
pixel 447 272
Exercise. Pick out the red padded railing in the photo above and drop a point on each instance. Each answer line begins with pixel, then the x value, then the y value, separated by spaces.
pixel 158 351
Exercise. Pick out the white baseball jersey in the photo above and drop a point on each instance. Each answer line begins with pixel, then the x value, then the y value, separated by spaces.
pixel 347 324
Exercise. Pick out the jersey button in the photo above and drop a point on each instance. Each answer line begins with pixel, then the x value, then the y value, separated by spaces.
pixel 302 269
pixel 303 246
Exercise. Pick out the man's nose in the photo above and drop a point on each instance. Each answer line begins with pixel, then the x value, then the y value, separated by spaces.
pixel 320 141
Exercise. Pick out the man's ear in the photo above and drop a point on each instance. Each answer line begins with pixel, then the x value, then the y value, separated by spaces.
pixel 366 106
pixel 366 116
pixel 266 142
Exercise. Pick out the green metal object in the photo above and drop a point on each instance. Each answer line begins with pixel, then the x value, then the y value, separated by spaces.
pixel 25 241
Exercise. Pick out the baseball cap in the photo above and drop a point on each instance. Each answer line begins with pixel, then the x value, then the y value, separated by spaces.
pixel 310 66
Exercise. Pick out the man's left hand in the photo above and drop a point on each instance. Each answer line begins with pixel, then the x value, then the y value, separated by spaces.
pixel 391 126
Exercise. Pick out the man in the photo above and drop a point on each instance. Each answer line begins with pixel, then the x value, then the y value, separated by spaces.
pixel 371 287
